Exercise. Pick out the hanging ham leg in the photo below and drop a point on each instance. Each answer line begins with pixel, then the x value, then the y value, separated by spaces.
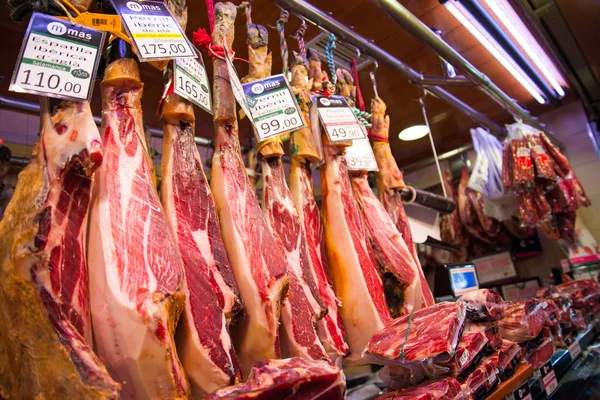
pixel 46 336
pixel 356 281
pixel 257 262
pixel 389 182
pixel 304 152
pixel 212 299
pixel 401 281
pixel 136 275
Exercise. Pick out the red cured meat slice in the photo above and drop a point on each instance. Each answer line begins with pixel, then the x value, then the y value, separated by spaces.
pixel 355 277
pixel 506 358
pixel 289 379
pixel 136 275
pixel 44 298
pixel 429 334
pixel 212 299
pixel 542 353
pixel 481 381
pixel 490 329
pixel 304 306
pixel 483 305
pixel 443 389
pixel 400 273
pixel 581 292
pixel 330 328
pixel 469 351
pixel 523 320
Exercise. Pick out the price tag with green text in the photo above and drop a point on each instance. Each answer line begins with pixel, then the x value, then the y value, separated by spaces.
pixel 338 119
pixel 57 59
pixel 191 82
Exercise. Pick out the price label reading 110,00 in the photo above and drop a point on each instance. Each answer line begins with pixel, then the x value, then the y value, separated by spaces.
pixel 57 59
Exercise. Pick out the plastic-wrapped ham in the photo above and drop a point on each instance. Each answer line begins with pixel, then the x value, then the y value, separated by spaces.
pixel 429 334
pixel 581 293
pixel 523 320
pixel 507 358
pixel 469 351
pixel 483 305
pixel 560 299
pixel 292 378
pixel 541 353
pixel 481 381
pixel 491 331
pixel 552 311
pixel 443 389
pixel 577 321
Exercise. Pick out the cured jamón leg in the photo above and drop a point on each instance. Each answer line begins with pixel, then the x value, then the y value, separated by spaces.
pixel 257 262
pixel 46 336
pixel 136 275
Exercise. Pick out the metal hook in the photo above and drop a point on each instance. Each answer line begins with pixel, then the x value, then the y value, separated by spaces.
pixel 355 48
pixel 373 80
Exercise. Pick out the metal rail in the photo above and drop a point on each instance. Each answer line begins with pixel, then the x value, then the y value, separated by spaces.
pixel 346 34
pixel 400 14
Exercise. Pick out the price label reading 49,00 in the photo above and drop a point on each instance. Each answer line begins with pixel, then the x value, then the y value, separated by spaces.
pixel 338 119
pixel 191 82
pixel 57 59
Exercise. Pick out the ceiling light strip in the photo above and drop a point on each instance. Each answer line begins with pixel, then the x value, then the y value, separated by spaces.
pixel 514 31
pixel 495 52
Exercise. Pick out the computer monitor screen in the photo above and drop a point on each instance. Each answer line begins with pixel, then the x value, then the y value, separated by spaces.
pixel 463 279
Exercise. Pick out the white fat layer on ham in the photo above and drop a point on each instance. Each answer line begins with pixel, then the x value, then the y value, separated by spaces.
pixel 125 336
pixel 258 331
pixel 359 314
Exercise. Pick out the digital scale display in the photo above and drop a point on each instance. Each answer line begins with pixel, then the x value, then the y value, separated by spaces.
pixel 463 279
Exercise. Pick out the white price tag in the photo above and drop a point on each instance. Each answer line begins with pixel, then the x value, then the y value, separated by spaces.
pixel 574 349
pixel 523 392
pixel 273 106
pixel 57 59
pixel 338 119
pixel 155 33
pixel 549 378
pixel 191 82
pixel 234 80
pixel 360 157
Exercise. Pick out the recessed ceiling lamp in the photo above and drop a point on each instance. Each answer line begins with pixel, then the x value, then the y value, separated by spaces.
pixel 504 60
pixel 413 133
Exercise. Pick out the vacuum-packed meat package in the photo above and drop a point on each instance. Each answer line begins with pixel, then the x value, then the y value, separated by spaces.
pixel 582 293
pixel 507 358
pixel 292 378
pixel 482 380
pixel 483 305
pixel 422 337
pixel 470 350
pixel 491 331
pixel 523 320
pixel 559 298
pixel 577 321
pixel 443 389
pixel 552 312
pixel 541 353
pixel 559 336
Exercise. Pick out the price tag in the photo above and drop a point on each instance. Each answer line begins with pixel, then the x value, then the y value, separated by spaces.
pixel 191 82
pixel 574 347
pixel 338 119
pixel 360 157
pixel 549 378
pixel 57 59
pixel 273 107
pixel 523 392
pixel 236 85
pixel 155 33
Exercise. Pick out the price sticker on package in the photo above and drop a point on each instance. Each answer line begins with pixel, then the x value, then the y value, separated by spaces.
pixel 191 82
pixel 57 59
pixel 155 33
pixel 549 380
pixel 574 347
pixel 338 119
pixel 273 107
pixel 360 157
pixel 523 392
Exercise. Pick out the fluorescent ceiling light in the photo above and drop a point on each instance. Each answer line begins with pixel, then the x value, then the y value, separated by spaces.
pixel 413 133
pixel 519 76
pixel 514 30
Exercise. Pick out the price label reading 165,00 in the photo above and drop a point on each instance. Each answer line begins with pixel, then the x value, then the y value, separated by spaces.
pixel 191 82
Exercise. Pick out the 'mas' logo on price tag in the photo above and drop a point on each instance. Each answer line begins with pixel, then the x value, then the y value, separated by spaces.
pixel 273 107
pixel 155 32
pixel 191 82
pixel 57 59
pixel 338 119
pixel 360 157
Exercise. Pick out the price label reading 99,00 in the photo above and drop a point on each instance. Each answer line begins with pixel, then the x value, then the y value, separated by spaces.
pixel 275 126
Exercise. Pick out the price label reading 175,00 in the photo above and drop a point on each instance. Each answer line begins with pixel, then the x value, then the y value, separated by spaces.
pixel 191 82
pixel 273 107
pixel 338 119
pixel 57 59
pixel 155 32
